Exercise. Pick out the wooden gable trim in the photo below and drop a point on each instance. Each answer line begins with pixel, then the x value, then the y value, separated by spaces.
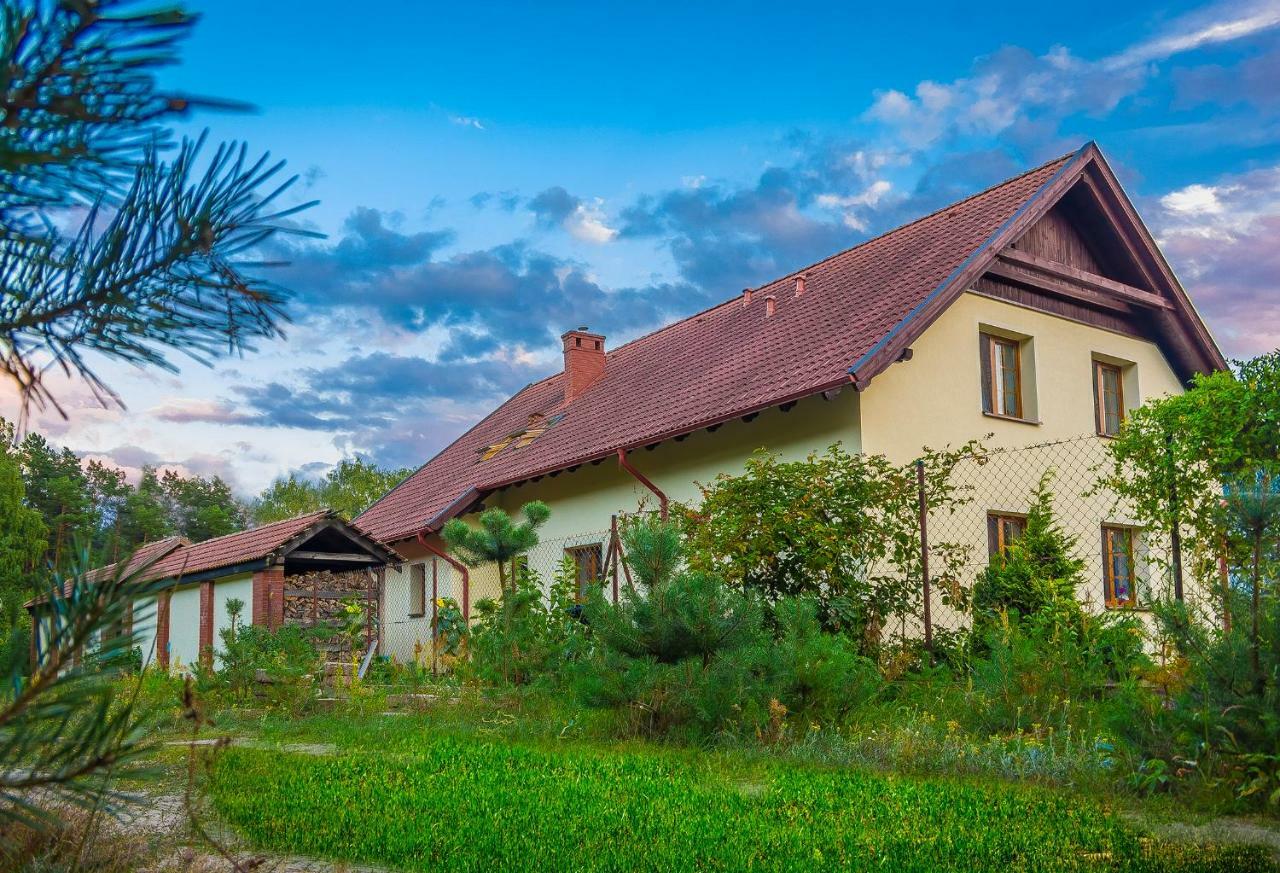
pixel 371 548
pixel 1107 288
pixel 1176 322
pixel 915 322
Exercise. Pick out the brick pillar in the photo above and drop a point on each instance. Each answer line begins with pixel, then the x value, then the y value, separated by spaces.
pixel 162 630
pixel 267 609
pixel 275 609
pixel 206 623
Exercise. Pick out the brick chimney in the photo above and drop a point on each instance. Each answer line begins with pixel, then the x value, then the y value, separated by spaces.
pixel 583 361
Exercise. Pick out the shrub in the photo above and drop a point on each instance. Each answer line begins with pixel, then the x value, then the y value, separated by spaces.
pixel 1225 728
pixel 524 638
pixel 818 676
pixel 286 658
pixel 1036 572
pixel 681 649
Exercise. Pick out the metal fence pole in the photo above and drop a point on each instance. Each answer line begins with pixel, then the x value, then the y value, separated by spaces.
pixel 924 558
pixel 1175 519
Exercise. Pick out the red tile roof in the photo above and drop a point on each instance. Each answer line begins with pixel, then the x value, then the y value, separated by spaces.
pixel 727 361
pixel 236 548
pixel 145 554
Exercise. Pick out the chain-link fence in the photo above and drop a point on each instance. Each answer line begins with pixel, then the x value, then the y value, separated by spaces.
pixel 1124 566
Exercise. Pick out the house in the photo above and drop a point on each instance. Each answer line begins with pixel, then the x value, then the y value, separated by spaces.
pixel 254 566
pixel 1038 310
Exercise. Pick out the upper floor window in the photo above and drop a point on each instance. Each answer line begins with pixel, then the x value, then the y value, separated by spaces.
pixel 1001 376
pixel 1119 587
pixel 1108 397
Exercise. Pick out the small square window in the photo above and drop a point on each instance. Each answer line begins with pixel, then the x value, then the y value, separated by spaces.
pixel 1002 531
pixel 1119 582
pixel 1108 397
pixel 589 560
pixel 1001 375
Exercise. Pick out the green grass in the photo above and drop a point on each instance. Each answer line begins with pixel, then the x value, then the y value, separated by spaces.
pixel 432 802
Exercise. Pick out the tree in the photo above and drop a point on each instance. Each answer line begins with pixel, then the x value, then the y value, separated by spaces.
pixel 161 262
pixel 1037 571
pixel 497 539
pixel 350 488
pixel 57 488
pixel 839 526
pixel 158 263
pixel 200 508
pixel 1201 464
pixel 22 544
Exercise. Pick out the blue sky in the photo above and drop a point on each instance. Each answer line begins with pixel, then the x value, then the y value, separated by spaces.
pixel 491 175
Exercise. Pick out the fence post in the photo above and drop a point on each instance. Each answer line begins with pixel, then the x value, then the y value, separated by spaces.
pixel 924 558
pixel 616 549
pixel 435 611
pixel 1175 518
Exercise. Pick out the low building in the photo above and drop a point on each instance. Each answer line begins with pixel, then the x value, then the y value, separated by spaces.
pixel 1038 310
pixel 183 622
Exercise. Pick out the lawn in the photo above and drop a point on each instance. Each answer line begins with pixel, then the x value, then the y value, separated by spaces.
pixel 434 801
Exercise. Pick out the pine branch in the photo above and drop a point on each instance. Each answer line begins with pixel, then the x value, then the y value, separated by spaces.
pixel 163 274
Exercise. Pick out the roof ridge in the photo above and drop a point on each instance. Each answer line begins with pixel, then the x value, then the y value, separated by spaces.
pixel 313 514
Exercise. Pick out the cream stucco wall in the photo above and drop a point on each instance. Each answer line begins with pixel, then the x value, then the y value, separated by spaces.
pixel 184 627
pixel 184 617
pixel 935 399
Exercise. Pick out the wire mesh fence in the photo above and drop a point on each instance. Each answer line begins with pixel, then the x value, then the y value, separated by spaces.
pixel 1124 566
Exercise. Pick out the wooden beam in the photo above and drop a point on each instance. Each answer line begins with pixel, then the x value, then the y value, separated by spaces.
pixel 299 555
pixel 1093 281
pixel 1060 287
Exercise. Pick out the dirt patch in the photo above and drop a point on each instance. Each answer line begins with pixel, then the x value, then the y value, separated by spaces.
pixel 1226 830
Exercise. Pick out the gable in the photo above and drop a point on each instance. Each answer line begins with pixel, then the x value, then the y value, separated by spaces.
pixel 1056 237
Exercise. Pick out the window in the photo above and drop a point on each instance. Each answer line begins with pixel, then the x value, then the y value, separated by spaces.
pixel 417 590
pixel 588 560
pixel 1003 530
pixel 1108 397
pixel 1001 375
pixel 1118 583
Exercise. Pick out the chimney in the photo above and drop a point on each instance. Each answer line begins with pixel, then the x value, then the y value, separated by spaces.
pixel 770 305
pixel 583 361
pixel 800 285
pixel 746 296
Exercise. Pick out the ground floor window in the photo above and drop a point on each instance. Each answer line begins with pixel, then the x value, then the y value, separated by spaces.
pixel 589 560
pixel 1119 586
pixel 417 590
pixel 1003 530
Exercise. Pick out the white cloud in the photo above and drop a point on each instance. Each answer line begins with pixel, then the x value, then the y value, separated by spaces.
pixel 1193 200
pixel 1218 24
pixel 467 121
pixel 587 223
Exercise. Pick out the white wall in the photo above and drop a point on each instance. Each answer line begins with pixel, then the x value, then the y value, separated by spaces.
pixel 403 636
pixel 184 627
pixel 240 587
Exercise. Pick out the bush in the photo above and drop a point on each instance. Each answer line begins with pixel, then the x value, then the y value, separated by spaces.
pixel 524 638
pixel 286 658
pixel 1036 572
pixel 817 676
pixel 681 649
pixel 1225 727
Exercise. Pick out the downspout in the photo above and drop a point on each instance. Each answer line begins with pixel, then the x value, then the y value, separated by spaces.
pixel 643 480
pixel 457 565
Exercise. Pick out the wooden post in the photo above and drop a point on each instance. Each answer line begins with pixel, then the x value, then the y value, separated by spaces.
pixel 435 609
pixel 615 547
pixel 1175 521
pixel 924 559
pixel 315 599
pixel 206 623
pixel 162 629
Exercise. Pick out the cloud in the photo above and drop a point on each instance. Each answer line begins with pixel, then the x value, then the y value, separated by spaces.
pixel 584 221
pixel 1223 238
pixel 1217 24
pixel 466 121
